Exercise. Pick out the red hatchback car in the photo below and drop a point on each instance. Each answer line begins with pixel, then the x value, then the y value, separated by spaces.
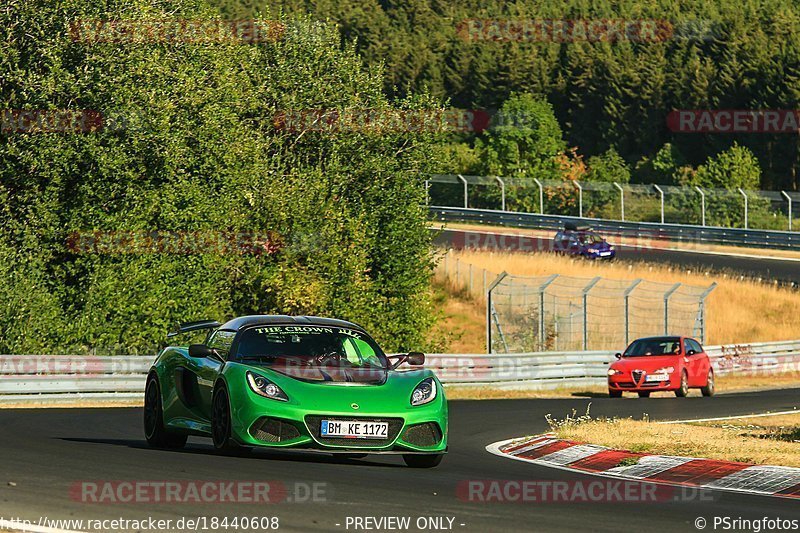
pixel 661 364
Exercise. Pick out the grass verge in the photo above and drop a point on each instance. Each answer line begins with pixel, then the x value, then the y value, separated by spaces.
pixel 756 440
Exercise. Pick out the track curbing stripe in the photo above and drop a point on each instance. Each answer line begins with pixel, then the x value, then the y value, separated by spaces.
pixel 764 480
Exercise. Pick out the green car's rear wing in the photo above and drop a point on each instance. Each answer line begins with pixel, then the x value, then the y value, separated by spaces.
pixel 186 327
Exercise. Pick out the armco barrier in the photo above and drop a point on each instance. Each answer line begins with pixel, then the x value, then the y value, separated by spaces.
pixel 56 380
pixel 646 231
pixel 63 379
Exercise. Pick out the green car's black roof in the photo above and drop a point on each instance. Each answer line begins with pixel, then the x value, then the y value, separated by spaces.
pixel 261 320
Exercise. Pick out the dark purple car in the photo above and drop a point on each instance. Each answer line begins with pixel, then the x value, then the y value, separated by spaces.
pixel 582 241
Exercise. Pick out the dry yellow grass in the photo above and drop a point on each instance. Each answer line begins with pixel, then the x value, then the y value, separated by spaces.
pixel 732 442
pixel 738 311
pixel 461 327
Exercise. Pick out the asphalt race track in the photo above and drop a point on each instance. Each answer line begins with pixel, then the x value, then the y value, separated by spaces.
pixel 44 452
pixel 753 267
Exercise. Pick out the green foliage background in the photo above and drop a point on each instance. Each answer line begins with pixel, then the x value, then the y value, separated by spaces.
pixel 725 54
pixel 196 150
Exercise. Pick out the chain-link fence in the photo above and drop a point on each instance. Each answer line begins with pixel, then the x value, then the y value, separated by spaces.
pixel 563 313
pixel 736 208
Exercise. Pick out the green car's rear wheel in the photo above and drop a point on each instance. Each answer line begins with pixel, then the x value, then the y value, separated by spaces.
pixel 154 430
pixel 423 461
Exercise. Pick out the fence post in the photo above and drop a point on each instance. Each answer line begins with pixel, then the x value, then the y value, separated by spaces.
pixel 746 207
pixel 541 195
pixel 470 279
pixel 703 311
pixel 666 306
pixel 458 268
pixel 489 290
pixel 586 311
pixel 502 192
pixel 789 199
pixel 661 192
pixel 466 190
pixel 621 200
pixel 580 198
pixel 542 328
pixel 627 295
pixel 702 204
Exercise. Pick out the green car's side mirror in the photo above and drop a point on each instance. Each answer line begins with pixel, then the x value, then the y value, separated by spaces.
pixel 200 350
pixel 415 358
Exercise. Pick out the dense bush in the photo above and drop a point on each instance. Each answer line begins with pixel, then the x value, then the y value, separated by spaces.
pixel 194 147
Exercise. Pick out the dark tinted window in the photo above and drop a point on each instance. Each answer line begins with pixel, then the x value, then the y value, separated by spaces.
pixel 692 344
pixel 654 346
pixel 310 345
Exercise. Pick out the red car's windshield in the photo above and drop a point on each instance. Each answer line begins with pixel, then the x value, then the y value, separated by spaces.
pixel 654 346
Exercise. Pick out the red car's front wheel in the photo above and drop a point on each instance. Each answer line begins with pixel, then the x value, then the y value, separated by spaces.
pixel 683 391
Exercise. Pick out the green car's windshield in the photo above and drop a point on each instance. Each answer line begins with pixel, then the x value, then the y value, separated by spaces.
pixel 654 346
pixel 310 346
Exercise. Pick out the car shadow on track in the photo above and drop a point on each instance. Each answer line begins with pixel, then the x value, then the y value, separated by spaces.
pixel 246 453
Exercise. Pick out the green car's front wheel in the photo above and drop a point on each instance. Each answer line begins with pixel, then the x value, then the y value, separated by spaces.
pixel 154 430
pixel 221 423
pixel 423 461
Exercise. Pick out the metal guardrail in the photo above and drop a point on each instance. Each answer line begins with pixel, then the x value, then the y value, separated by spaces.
pixel 60 380
pixel 66 379
pixel 640 230
pixel 550 370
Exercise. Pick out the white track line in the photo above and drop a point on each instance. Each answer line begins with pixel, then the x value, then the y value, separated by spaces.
pixel 735 417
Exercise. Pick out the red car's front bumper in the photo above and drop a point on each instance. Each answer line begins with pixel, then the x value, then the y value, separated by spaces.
pixel 627 381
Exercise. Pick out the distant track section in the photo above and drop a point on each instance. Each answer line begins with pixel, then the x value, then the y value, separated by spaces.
pixel 781 271
pixel 753 238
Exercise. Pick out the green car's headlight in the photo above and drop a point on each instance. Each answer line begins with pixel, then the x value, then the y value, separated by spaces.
pixel 264 387
pixel 424 393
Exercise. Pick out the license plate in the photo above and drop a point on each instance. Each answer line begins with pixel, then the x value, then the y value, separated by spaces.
pixel 657 377
pixel 354 429
pixel 605 254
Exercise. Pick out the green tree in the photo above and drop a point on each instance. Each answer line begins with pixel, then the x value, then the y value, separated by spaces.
pixel 196 145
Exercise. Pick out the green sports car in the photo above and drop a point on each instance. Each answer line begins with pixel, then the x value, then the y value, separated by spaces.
pixel 295 382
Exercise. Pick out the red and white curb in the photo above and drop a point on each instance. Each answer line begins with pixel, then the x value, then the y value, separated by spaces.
pixel 547 450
